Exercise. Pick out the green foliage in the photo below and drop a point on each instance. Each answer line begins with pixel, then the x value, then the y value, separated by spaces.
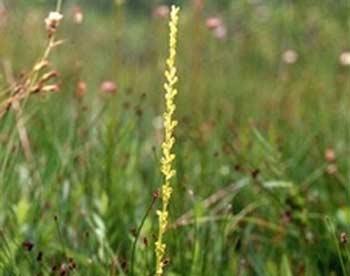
pixel 253 185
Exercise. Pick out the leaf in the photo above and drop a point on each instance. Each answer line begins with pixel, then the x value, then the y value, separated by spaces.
pixel 343 215
pixel 285 267
pixel 21 210
pixel 103 203
pixel 278 184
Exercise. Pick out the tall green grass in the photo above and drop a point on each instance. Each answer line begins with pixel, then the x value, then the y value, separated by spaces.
pixel 254 187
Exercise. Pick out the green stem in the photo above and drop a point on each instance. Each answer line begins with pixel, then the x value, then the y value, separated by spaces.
pixel 138 233
pixel 60 236
pixel 59 5
pixel 331 228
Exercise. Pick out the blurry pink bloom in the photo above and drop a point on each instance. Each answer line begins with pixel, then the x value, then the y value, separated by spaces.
pixel 214 22
pixel 290 56
pixel 198 4
pixel 220 32
pixel 161 11
pixel 108 87
pixel 344 58
pixel 81 88
pixel 217 26
pixel 330 155
pixel 78 15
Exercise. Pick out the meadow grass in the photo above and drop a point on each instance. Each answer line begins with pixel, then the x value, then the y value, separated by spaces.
pixel 262 143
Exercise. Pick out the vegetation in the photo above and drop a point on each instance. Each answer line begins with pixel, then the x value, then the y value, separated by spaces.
pixel 262 140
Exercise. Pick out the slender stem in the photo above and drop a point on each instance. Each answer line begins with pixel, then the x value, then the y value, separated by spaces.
pixel 138 233
pixel 60 236
pixel 59 5
pixel 331 228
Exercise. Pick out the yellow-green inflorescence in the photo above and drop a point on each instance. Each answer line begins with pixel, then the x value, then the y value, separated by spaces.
pixel 169 140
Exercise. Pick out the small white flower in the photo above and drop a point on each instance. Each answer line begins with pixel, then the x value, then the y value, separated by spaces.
pixel 53 20
pixel 344 58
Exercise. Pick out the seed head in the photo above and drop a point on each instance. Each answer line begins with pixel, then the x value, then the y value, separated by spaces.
pixel 343 238
pixel 108 87
pixel 27 245
pixel 52 21
pixel 330 155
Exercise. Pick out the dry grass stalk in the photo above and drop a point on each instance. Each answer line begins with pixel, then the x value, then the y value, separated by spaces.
pixel 39 77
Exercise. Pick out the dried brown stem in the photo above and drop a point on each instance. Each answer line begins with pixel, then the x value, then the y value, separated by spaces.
pixel 22 131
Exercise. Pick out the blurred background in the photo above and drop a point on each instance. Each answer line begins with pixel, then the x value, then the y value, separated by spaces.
pixel 142 6
pixel 263 102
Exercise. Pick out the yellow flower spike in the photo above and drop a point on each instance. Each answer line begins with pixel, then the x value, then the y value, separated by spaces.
pixel 169 140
